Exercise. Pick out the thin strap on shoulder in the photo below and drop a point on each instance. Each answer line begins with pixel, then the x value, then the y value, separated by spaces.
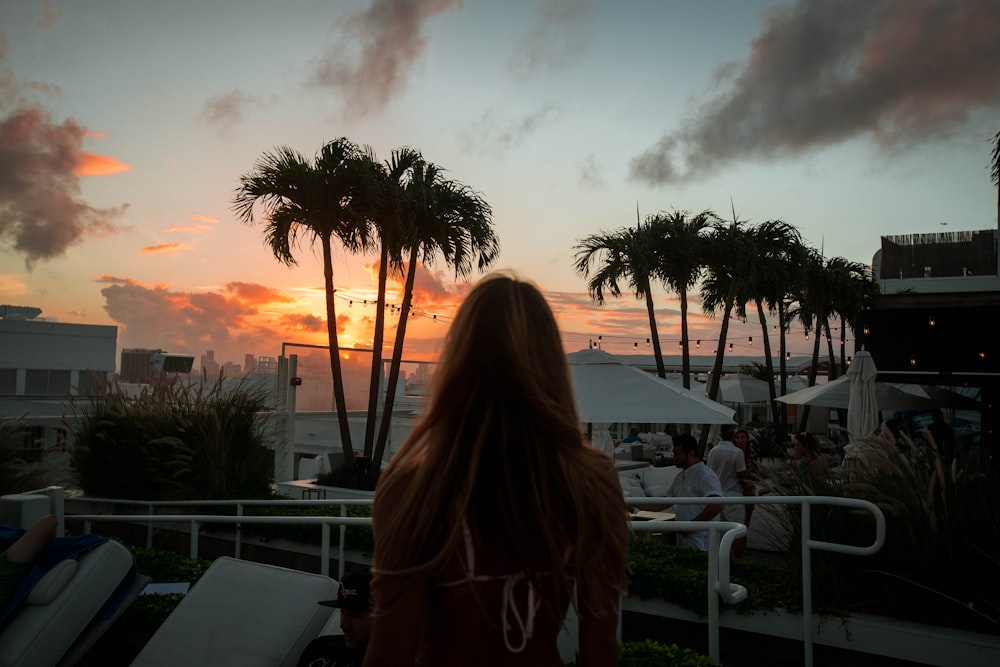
pixel 508 607
pixel 470 551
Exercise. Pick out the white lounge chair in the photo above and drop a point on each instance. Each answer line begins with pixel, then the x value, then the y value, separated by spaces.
pixel 242 614
pixel 58 621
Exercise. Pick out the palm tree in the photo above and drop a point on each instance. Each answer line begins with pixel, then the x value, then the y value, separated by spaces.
pixel 773 271
pixel 729 264
pixel 438 216
pixel 679 243
pixel 385 191
pixel 311 200
pixel 628 254
pixel 995 170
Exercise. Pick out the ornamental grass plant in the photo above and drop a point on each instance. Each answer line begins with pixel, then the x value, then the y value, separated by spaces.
pixel 942 528
pixel 174 440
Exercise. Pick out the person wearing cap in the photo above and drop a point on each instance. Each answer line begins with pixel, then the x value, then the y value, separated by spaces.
pixel 347 650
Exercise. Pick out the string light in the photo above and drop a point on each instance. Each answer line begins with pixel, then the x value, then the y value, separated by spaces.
pixel 931 321
pixel 750 340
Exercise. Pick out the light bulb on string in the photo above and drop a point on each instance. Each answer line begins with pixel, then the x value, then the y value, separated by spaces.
pixel 730 347
pixel 750 340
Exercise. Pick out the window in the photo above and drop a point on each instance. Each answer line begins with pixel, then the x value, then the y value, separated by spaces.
pixel 8 381
pixel 46 382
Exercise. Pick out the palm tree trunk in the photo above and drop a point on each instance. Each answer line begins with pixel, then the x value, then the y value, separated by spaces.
pixel 685 342
pixel 339 399
pixel 720 354
pixel 813 372
pixel 783 366
pixel 397 359
pixel 768 361
pixel 377 340
pixel 657 352
pixel 833 373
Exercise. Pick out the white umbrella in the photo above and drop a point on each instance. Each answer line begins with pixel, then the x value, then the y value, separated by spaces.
pixel 739 388
pixel 862 407
pixel 837 394
pixel 609 391
pixel 697 392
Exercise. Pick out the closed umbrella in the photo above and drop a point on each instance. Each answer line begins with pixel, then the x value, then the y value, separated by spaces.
pixel 862 407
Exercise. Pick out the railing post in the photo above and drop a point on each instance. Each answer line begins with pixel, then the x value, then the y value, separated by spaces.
pixel 713 595
pixel 194 539
pixel 324 551
pixel 87 527
pixel 149 526
pixel 342 550
pixel 239 532
pixel 807 619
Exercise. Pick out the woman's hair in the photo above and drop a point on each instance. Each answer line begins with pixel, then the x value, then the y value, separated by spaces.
pixel 742 429
pixel 500 447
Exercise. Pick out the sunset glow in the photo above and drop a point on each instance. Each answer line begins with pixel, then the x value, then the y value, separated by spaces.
pixel 568 118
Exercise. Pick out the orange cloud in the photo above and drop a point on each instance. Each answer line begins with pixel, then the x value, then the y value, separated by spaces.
pixel 186 229
pixel 205 218
pixel 169 248
pixel 92 164
pixel 257 294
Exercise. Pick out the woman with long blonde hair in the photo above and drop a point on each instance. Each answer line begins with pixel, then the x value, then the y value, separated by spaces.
pixel 495 510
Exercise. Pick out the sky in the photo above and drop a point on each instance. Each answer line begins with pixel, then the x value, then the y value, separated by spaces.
pixel 125 126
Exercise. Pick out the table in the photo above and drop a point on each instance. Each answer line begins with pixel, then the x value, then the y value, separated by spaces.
pixel 645 515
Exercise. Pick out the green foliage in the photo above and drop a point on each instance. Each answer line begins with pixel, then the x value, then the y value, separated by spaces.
pixel 680 575
pixel 16 475
pixel 174 441
pixel 147 612
pixel 941 525
pixel 652 654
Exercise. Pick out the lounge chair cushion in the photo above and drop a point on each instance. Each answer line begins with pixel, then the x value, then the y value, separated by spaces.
pixel 54 581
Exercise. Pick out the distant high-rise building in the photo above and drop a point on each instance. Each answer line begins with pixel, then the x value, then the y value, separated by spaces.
pixel 249 364
pixel 209 366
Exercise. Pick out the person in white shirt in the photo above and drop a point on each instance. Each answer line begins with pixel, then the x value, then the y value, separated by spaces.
pixel 728 462
pixel 696 480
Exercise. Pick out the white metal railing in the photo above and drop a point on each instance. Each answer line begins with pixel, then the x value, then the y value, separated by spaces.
pixel 722 534
pixel 719 550
pixel 195 521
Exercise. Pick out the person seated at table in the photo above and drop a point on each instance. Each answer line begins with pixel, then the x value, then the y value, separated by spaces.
pixel 696 480
pixel 632 437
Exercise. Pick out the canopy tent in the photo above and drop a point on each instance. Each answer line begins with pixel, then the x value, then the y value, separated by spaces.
pixel 608 391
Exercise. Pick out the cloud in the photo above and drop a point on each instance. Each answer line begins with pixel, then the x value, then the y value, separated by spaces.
pixel 49 15
pixel 591 177
pixel 497 135
pixel 259 294
pixel 165 248
pixel 187 229
pixel 901 72
pixel 205 218
pixel 92 164
pixel 228 320
pixel 367 64
pixel 41 214
pixel 228 109
pixel 560 34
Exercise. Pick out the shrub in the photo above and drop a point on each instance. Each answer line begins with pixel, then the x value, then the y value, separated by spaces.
pixel 176 440
pixel 652 654
pixel 941 525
